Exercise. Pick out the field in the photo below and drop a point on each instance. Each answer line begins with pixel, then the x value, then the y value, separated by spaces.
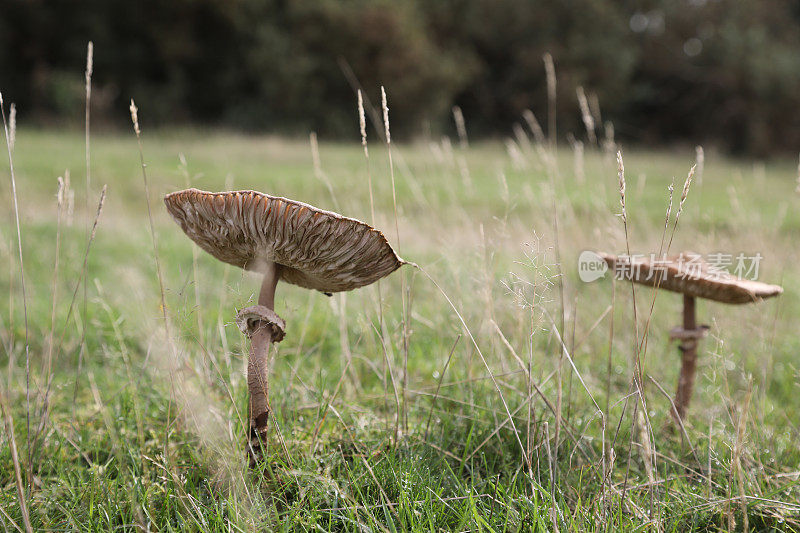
pixel 489 389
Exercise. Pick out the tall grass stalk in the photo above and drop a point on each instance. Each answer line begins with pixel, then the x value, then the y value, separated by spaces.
pixel 550 72
pixel 362 127
pixel 637 362
pixel 609 144
pixel 137 130
pixel 21 494
pixel 84 267
pixel 12 125
pixel 388 138
pixel 578 162
pixel 24 296
pixel 63 189
pixel 318 172
pixel 586 116
pixel 87 194
pixel 461 127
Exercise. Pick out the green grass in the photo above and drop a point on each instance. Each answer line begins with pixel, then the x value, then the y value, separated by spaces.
pixel 148 431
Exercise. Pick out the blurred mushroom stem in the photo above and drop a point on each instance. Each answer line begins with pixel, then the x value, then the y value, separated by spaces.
pixel 263 327
pixel 689 335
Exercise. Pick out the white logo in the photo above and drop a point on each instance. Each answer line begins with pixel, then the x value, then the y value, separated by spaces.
pixel 591 266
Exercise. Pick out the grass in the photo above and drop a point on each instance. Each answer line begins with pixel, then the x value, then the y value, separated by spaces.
pixel 149 433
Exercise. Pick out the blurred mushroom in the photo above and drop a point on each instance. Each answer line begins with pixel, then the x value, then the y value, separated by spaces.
pixel 284 240
pixel 688 274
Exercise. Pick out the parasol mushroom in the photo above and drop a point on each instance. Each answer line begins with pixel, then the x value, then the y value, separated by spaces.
pixel 688 274
pixel 284 240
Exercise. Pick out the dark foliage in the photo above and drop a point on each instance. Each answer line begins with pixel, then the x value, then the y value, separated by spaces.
pixel 724 72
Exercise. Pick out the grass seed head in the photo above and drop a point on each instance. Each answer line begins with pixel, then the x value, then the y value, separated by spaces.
pixel 671 190
pixel 362 120
pixel 385 106
pixel 60 192
pixel 686 185
pixel 135 118
pixel 89 63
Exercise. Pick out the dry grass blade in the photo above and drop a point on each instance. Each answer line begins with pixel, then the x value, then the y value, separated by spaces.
pixel 137 130
pixel 9 423
pixel 483 360
pixel 586 116
pixel 578 162
pixel 87 156
pixel 362 126
pixel 328 405
pixel 550 71
pixel 496 430
pixel 12 125
pixel 533 124
pixel 24 290
pixel 439 386
pixel 700 161
pixel 566 353
pixel 675 411
pixel 318 172
pixel 609 144
pixel 461 127
pixel 388 363
pixel 81 279
pixel 63 189
pixel 737 471
pixel 622 187
pixel 388 137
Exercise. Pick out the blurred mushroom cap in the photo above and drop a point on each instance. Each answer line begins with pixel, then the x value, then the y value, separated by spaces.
pixel 689 274
pixel 317 249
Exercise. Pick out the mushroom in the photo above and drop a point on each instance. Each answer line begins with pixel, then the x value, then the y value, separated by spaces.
pixel 284 240
pixel 689 274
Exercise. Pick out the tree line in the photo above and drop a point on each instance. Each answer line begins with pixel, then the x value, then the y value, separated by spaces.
pixel 720 72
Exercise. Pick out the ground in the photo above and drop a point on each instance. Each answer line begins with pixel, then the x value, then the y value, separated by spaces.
pixel 442 398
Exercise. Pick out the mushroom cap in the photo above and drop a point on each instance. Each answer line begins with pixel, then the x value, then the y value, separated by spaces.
pixel 316 249
pixel 689 274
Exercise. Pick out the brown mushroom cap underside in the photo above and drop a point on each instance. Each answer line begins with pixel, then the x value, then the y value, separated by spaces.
pixel 688 274
pixel 317 249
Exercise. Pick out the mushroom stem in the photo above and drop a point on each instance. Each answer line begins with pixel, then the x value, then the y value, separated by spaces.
pixel 688 348
pixel 267 295
pixel 258 366
pixel 258 386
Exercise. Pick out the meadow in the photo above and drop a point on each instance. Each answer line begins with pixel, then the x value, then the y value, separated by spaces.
pixel 487 390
